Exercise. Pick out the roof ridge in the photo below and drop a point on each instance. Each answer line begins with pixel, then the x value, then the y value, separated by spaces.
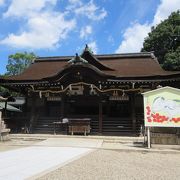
pixel 121 55
pixel 55 58
pixel 139 54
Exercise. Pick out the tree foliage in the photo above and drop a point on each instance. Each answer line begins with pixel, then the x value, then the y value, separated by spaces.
pixel 18 62
pixel 164 41
pixel 172 60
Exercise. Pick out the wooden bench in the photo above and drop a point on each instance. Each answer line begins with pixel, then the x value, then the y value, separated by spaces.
pixel 79 125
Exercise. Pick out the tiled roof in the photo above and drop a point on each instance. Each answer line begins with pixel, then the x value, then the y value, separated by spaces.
pixel 118 65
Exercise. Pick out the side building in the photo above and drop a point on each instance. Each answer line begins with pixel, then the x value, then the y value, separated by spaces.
pixel 105 88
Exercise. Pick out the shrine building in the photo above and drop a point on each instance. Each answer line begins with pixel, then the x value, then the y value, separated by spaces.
pixel 103 89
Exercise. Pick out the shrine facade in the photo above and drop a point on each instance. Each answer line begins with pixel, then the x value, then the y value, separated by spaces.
pixel 103 88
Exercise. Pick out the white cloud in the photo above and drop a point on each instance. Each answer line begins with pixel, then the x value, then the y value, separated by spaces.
pixel 85 31
pixel 110 39
pixel 44 31
pixel 78 2
pixel 19 8
pixel 133 38
pixel 134 35
pixel 43 27
pixel 1 2
pixel 165 8
pixel 73 4
pixel 93 46
pixel 90 10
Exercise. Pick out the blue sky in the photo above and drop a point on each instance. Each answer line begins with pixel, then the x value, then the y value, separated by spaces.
pixel 63 27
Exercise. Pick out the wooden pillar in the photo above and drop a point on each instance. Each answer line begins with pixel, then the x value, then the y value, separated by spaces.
pixel 108 108
pixel 45 108
pixel 33 110
pixel 25 108
pixel 133 112
pixel 25 112
pixel 0 122
pixel 5 109
pixel 62 106
pixel 0 125
pixel 100 115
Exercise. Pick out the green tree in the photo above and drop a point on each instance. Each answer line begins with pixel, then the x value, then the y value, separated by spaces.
pixel 164 41
pixel 172 60
pixel 18 62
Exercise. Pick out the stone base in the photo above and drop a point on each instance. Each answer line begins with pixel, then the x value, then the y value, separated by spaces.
pixel 5 135
pixel 167 139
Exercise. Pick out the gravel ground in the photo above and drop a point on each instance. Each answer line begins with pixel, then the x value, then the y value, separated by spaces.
pixel 117 165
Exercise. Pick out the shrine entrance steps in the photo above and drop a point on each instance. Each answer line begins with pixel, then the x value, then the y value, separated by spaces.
pixel 44 125
pixel 110 126
pixel 117 125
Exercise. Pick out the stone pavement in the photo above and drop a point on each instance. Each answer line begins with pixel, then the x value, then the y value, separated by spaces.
pixel 29 161
pixel 120 143
pixel 72 142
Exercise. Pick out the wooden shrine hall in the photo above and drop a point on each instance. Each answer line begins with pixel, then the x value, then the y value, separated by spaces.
pixel 103 89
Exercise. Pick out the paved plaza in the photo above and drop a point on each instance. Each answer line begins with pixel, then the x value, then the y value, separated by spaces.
pixel 26 162
pixel 83 158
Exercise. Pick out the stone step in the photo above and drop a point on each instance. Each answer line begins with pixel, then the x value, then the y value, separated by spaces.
pixel 120 139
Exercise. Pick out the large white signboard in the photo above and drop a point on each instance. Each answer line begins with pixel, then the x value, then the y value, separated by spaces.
pixel 162 107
